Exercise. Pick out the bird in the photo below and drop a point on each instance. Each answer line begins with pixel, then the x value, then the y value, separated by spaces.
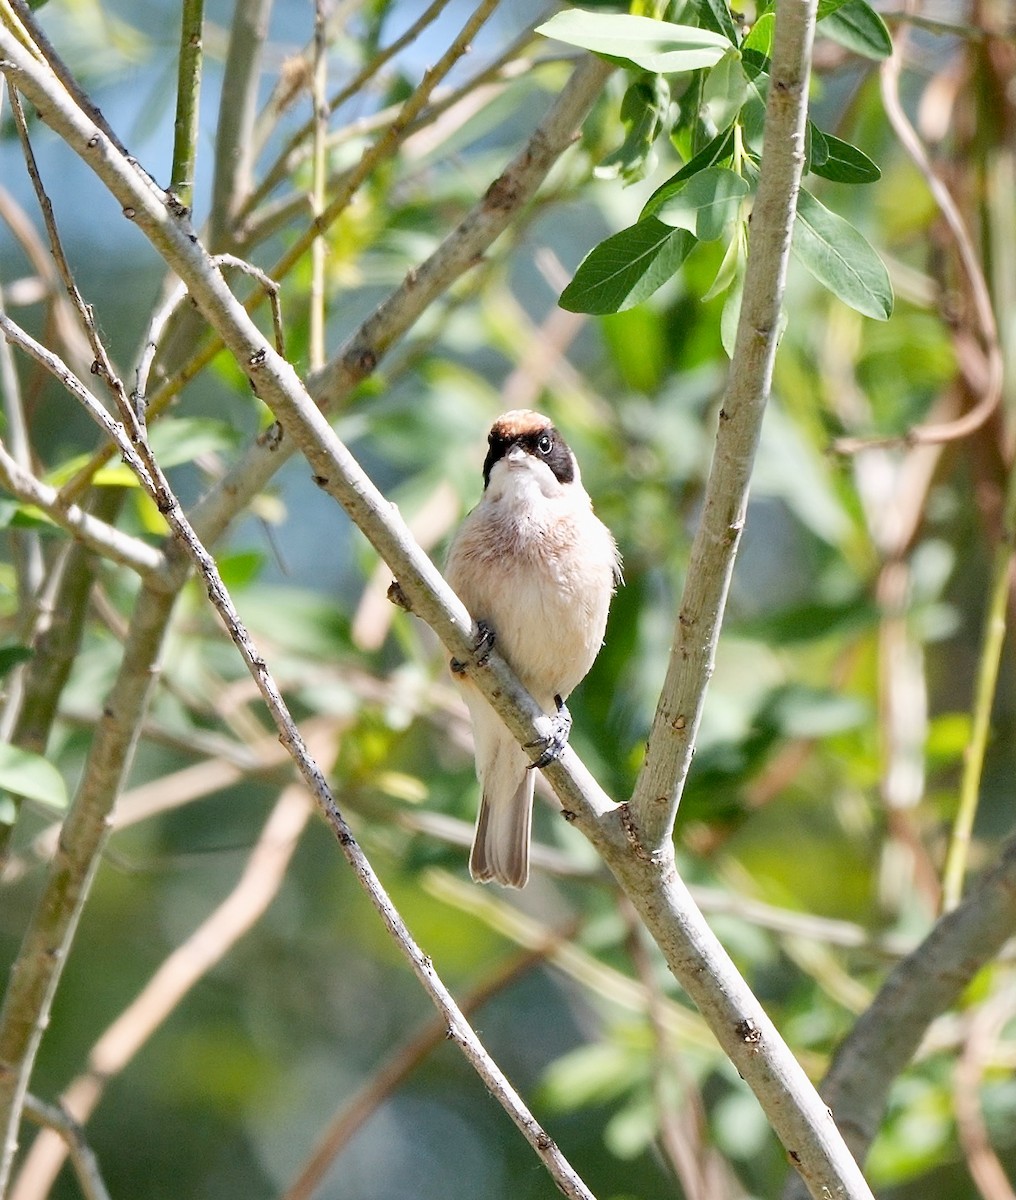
pixel 536 569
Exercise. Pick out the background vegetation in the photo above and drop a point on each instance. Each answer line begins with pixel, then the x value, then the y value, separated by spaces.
pixel 231 999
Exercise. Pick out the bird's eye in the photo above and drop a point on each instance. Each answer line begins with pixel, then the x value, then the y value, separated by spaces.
pixel 545 443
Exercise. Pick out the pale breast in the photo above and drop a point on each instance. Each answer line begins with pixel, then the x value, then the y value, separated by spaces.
pixel 543 582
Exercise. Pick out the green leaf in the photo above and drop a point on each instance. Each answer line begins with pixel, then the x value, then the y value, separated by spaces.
pixel 858 27
pixel 11 655
pixel 719 149
pixel 844 163
pixel 760 36
pixel 715 14
pixel 706 204
pixel 176 440
pixel 816 147
pixel 644 112
pixel 728 267
pixel 30 775
pixel 725 89
pixel 622 271
pixel 657 46
pixel 827 7
pixel 841 259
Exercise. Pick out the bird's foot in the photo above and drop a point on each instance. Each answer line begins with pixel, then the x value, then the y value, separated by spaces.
pixel 552 746
pixel 481 651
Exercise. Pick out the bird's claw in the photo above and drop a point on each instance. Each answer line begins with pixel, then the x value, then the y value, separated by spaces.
pixel 553 745
pixel 481 651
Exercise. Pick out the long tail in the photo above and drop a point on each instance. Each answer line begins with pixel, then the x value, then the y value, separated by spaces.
pixel 501 842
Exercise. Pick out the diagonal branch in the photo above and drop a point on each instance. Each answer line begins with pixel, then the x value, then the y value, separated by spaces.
pixel 921 987
pixel 106 540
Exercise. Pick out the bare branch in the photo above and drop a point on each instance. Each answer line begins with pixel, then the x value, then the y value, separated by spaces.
pixel 925 984
pixel 86 1166
pixel 257 886
pixel 234 135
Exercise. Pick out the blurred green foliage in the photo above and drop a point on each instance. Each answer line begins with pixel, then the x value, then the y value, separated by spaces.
pixel 836 721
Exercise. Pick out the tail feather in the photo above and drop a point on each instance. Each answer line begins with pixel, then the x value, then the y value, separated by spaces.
pixel 501 842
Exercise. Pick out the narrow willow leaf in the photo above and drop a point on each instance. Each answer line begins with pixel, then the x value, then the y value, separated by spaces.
pixel 622 271
pixel 858 26
pixel 731 314
pixel 729 266
pixel 844 163
pixel 30 775
pixel 816 147
pixel 706 204
pixel 657 46
pixel 725 89
pixel 644 112
pixel 715 14
pixel 717 151
pixel 827 7
pixel 841 259
pixel 760 37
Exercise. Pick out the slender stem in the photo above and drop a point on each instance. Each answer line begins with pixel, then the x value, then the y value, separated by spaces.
pixel 984 696
pixel 386 144
pixel 233 137
pixel 86 1165
pixel 188 96
pixel 319 247
pixel 675 726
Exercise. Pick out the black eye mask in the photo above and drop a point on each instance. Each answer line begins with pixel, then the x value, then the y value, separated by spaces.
pixel 546 444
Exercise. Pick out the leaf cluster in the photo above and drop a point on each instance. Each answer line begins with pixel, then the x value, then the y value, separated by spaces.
pixel 720 76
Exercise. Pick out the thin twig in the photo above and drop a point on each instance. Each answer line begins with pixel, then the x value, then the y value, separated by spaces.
pixel 985 1030
pixel 399 1065
pixel 925 984
pixel 385 145
pixel 258 885
pixel 70 1133
pixel 26 550
pixel 188 96
pixel 319 179
pixel 987 327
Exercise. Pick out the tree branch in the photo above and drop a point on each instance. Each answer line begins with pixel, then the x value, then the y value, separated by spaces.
pixel 106 540
pixel 246 903
pixel 922 986
pixel 237 109
pixel 710 567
